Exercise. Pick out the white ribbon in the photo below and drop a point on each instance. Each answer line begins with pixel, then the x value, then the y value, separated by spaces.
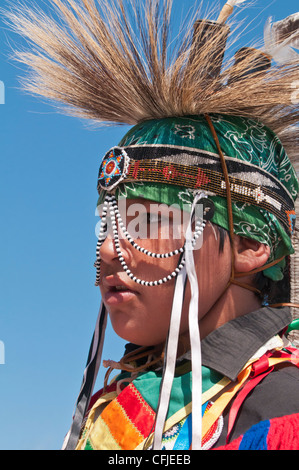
pixel 172 344
pixel 194 338
pixel 171 354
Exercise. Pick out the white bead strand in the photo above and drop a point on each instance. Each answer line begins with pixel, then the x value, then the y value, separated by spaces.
pixel 198 231
pixel 101 238
pixel 111 203
pixel 113 211
pixel 123 263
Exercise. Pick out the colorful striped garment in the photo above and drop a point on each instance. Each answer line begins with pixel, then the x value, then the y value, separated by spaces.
pixel 124 419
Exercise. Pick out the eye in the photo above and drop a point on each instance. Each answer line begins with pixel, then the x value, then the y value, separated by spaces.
pixel 153 218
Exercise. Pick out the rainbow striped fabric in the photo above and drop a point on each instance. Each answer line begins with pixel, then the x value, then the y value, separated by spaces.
pixel 124 421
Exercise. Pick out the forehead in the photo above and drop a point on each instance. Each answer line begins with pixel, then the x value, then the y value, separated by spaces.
pixel 151 205
pixel 153 214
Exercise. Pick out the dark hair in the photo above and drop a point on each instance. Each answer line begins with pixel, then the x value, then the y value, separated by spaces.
pixel 223 234
pixel 273 292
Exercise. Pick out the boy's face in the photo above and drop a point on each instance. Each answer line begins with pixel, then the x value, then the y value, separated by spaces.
pixel 141 314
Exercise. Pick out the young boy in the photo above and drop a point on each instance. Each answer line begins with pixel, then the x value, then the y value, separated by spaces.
pixel 235 326
pixel 208 364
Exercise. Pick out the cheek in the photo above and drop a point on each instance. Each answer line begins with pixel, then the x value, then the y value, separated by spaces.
pixel 146 322
pixel 152 268
pixel 213 274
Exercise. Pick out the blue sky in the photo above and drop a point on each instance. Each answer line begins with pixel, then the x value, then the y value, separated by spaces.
pixel 48 302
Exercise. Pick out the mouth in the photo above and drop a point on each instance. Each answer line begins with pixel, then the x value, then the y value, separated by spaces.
pixel 117 291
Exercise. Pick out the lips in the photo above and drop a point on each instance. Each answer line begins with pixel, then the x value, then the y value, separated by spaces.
pixel 116 291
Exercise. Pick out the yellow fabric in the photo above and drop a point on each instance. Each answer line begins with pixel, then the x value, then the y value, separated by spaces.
pixel 91 421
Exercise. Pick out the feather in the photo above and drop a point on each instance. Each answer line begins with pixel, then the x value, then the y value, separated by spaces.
pixel 282 38
pixel 109 64
pixel 234 3
pixel 228 9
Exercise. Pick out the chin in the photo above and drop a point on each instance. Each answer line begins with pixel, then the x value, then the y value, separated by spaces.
pixel 136 336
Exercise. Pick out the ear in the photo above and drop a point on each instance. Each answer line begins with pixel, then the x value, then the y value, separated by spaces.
pixel 249 254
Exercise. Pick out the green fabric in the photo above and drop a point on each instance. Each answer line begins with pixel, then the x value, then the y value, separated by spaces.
pixel 240 138
pixel 148 385
pixel 294 326
pixel 88 445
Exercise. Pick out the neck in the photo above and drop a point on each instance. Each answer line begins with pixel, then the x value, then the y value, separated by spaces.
pixel 235 302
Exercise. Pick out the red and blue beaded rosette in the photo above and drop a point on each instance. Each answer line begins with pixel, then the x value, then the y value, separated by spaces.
pixel 113 169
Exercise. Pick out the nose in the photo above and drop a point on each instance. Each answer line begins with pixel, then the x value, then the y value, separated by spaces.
pixel 108 253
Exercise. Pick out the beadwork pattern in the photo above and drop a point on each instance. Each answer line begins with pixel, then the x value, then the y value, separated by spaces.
pixel 113 169
pixel 197 169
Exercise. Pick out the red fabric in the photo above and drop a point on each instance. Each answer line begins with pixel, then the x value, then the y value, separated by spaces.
pixel 284 433
pixel 260 369
pixel 232 446
pixel 240 399
pixel 137 410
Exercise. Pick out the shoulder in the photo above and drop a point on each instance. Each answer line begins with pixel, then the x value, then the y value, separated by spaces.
pixel 276 396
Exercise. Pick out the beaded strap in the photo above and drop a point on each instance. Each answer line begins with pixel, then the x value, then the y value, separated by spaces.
pixel 116 221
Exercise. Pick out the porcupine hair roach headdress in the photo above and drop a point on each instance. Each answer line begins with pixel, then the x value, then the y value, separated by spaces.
pixel 194 114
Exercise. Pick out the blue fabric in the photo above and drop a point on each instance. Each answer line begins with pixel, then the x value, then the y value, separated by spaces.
pixel 183 441
pixel 256 437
